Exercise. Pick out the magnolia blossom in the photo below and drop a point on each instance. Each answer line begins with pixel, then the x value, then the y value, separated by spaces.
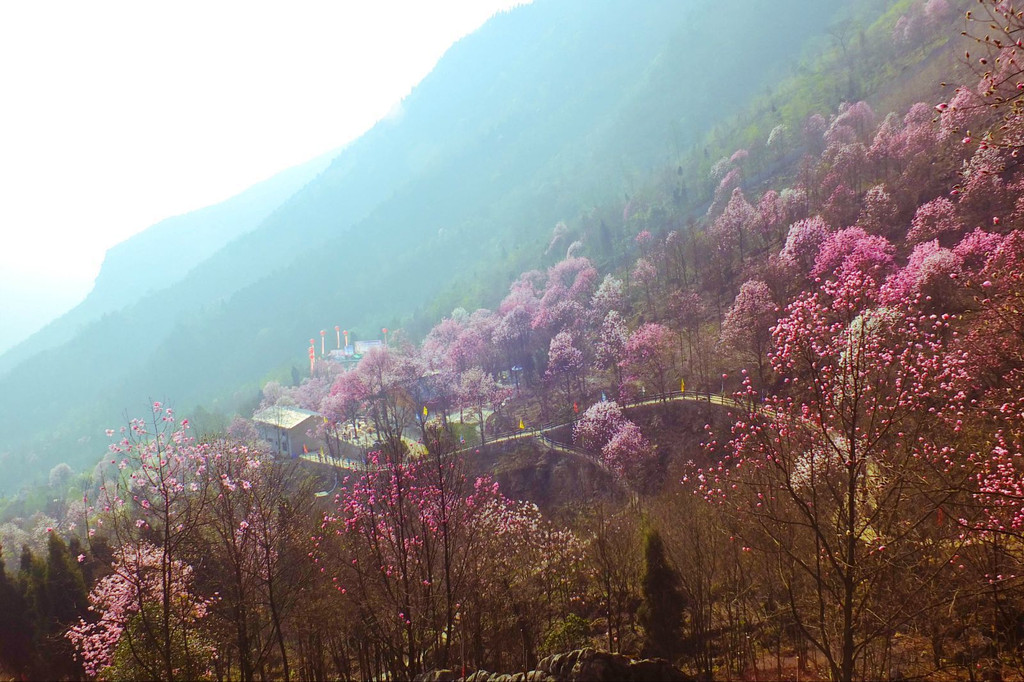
pixel 598 424
pixel 849 454
pixel 649 356
pixel 879 211
pixel 119 597
pixel 854 252
pixel 629 454
pixel 803 243
pixel 934 219
pixel 748 322
pixel 609 296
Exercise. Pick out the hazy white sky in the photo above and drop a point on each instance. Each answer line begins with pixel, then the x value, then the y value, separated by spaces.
pixel 116 115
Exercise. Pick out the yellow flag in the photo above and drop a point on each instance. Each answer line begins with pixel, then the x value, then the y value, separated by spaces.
pixel 521 426
pixel 682 385
pixel 424 410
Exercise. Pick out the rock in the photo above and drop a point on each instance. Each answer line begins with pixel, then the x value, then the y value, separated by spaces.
pixel 552 665
pixel 582 665
pixel 655 670
pixel 568 662
pixel 437 676
pixel 599 666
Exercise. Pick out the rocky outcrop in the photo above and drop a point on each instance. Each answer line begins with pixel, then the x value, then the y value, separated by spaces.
pixel 582 665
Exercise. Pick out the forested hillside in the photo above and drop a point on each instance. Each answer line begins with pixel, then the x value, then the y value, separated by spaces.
pixel 759 412
pixel 541 115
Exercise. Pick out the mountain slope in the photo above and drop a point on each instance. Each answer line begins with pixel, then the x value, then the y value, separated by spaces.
pixel 529 121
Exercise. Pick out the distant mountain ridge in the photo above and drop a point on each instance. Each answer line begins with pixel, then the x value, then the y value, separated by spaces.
pixel 163 254
pixel 541 113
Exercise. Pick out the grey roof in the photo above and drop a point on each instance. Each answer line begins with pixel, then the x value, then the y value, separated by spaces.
pixel 283 417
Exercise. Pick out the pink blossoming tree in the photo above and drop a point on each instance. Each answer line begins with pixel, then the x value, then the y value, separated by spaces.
pixel 153 506
pixel 649 357
pixel 747 326
pixel 837 475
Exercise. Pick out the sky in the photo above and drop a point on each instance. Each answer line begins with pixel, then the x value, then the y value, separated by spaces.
pixel 116 115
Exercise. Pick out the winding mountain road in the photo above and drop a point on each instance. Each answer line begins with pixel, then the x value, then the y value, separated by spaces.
pixel 540 433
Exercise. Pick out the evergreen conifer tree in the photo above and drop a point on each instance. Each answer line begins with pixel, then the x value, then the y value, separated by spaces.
pixel 661 613
pixel 66 598
pixel 31 575
pixel 15 631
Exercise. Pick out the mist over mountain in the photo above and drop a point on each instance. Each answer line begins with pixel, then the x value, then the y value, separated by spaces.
pixel 51 298
pixel 538 117
pixel 164 253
